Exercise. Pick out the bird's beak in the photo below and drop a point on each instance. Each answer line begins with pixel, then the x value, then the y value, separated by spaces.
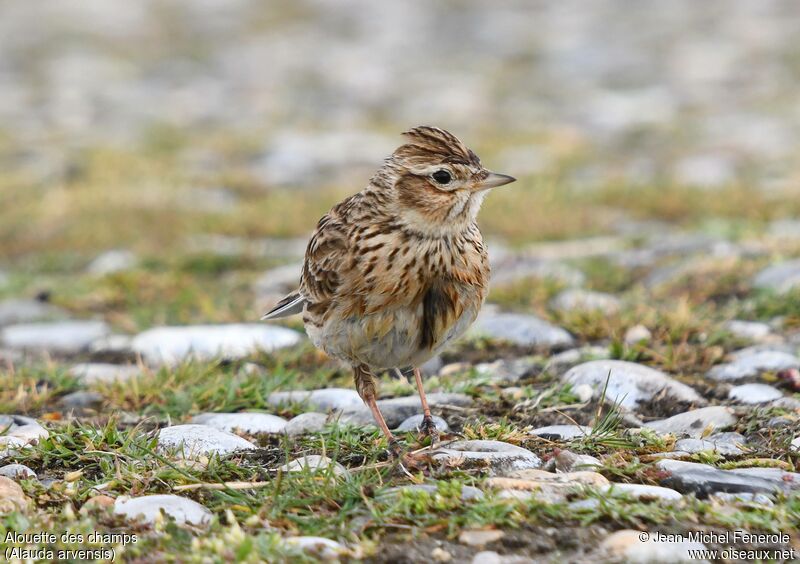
pixel 495 179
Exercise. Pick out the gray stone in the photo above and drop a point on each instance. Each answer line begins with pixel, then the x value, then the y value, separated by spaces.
pixel 62 337
pixel 579 300
pixel 695 422
pixel 413 423
pixel 743 497
pixel 492 557
pixel 790 479
pixel 326 550
pixel 17 472
pixel 81 400
pixel 561 432
pixel 314 463
pixel 149 508
pixel 250 423
pixel 628 546
pixel 637 334
pixel 703 479
pixel 193 441
pixel 16 311
pixel 171 345
pixel 643 492
pixel 305 423
pixel 567 461
pixel 629 383
pixel 114 345
pixel 97 372
pixel 750 365
pixel 508 371
pixel 754 393
pixel 511 269
pixel 520 329
pixel 19 431
pixel 323 399
pixel 726 444
pixel 749 330
pixel 780 277
pixel 500 458
pixel 112 261
pixel 468 493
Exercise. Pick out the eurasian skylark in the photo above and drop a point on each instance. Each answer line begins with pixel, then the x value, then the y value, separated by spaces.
pixel 396 272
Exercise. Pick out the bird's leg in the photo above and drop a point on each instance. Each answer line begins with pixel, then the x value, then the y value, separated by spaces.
pixel 365 385
pixel 428 426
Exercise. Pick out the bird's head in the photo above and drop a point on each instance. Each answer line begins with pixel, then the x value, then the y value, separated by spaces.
pixel 437 182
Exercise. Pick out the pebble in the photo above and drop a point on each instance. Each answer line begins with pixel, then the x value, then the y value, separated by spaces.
pixel 305 423
pixel 644 492
pixel 397 410
pixel 172 345
pixel 509 371
pixel 754 393
pixel 19 432
pixel 749 330
pixel 511 269
pixel 627 546
pixel 751 364
pixel 520 329
pixel 726 444
pixel 780 277
pixel 480 537
pixel 250 423
pixel 545 486
pixel 578 300
pixel 148 509
pixel 81 400
pixel 499 457
pixel 567 461
pixel 93 373
pixel 743 497
pixel 629 383
pixel 638 334
pixel 704 479
pixel 314 463
pixel 16 311
pixel 60 337
pixel 694 423
pixel 561 432
pixel 491 557
pixel 194 441
pixel 413 424
pixel 12 498
pixel 115 260
pixel 468 493
pixel 323 400
pixel 17 472
pixel 325 549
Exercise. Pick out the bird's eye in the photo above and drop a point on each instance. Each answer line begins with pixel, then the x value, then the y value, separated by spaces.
pixel 442 177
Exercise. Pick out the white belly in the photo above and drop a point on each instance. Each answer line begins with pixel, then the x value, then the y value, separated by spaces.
pixel 384 340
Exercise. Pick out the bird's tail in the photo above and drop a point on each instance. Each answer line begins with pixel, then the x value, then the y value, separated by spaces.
pixel 291 304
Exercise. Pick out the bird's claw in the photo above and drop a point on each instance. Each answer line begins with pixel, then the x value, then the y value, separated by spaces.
pixel 428 429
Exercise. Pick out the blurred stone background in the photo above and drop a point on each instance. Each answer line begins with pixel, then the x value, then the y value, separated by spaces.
pixel 698 93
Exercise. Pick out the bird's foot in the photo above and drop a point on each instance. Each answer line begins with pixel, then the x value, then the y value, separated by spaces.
pixel 395 449
pixel 428 429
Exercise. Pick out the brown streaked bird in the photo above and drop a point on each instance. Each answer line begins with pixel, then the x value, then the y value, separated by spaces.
pixel 396 272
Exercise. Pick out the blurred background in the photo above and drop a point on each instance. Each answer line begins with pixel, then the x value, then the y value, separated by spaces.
pixel 163 140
